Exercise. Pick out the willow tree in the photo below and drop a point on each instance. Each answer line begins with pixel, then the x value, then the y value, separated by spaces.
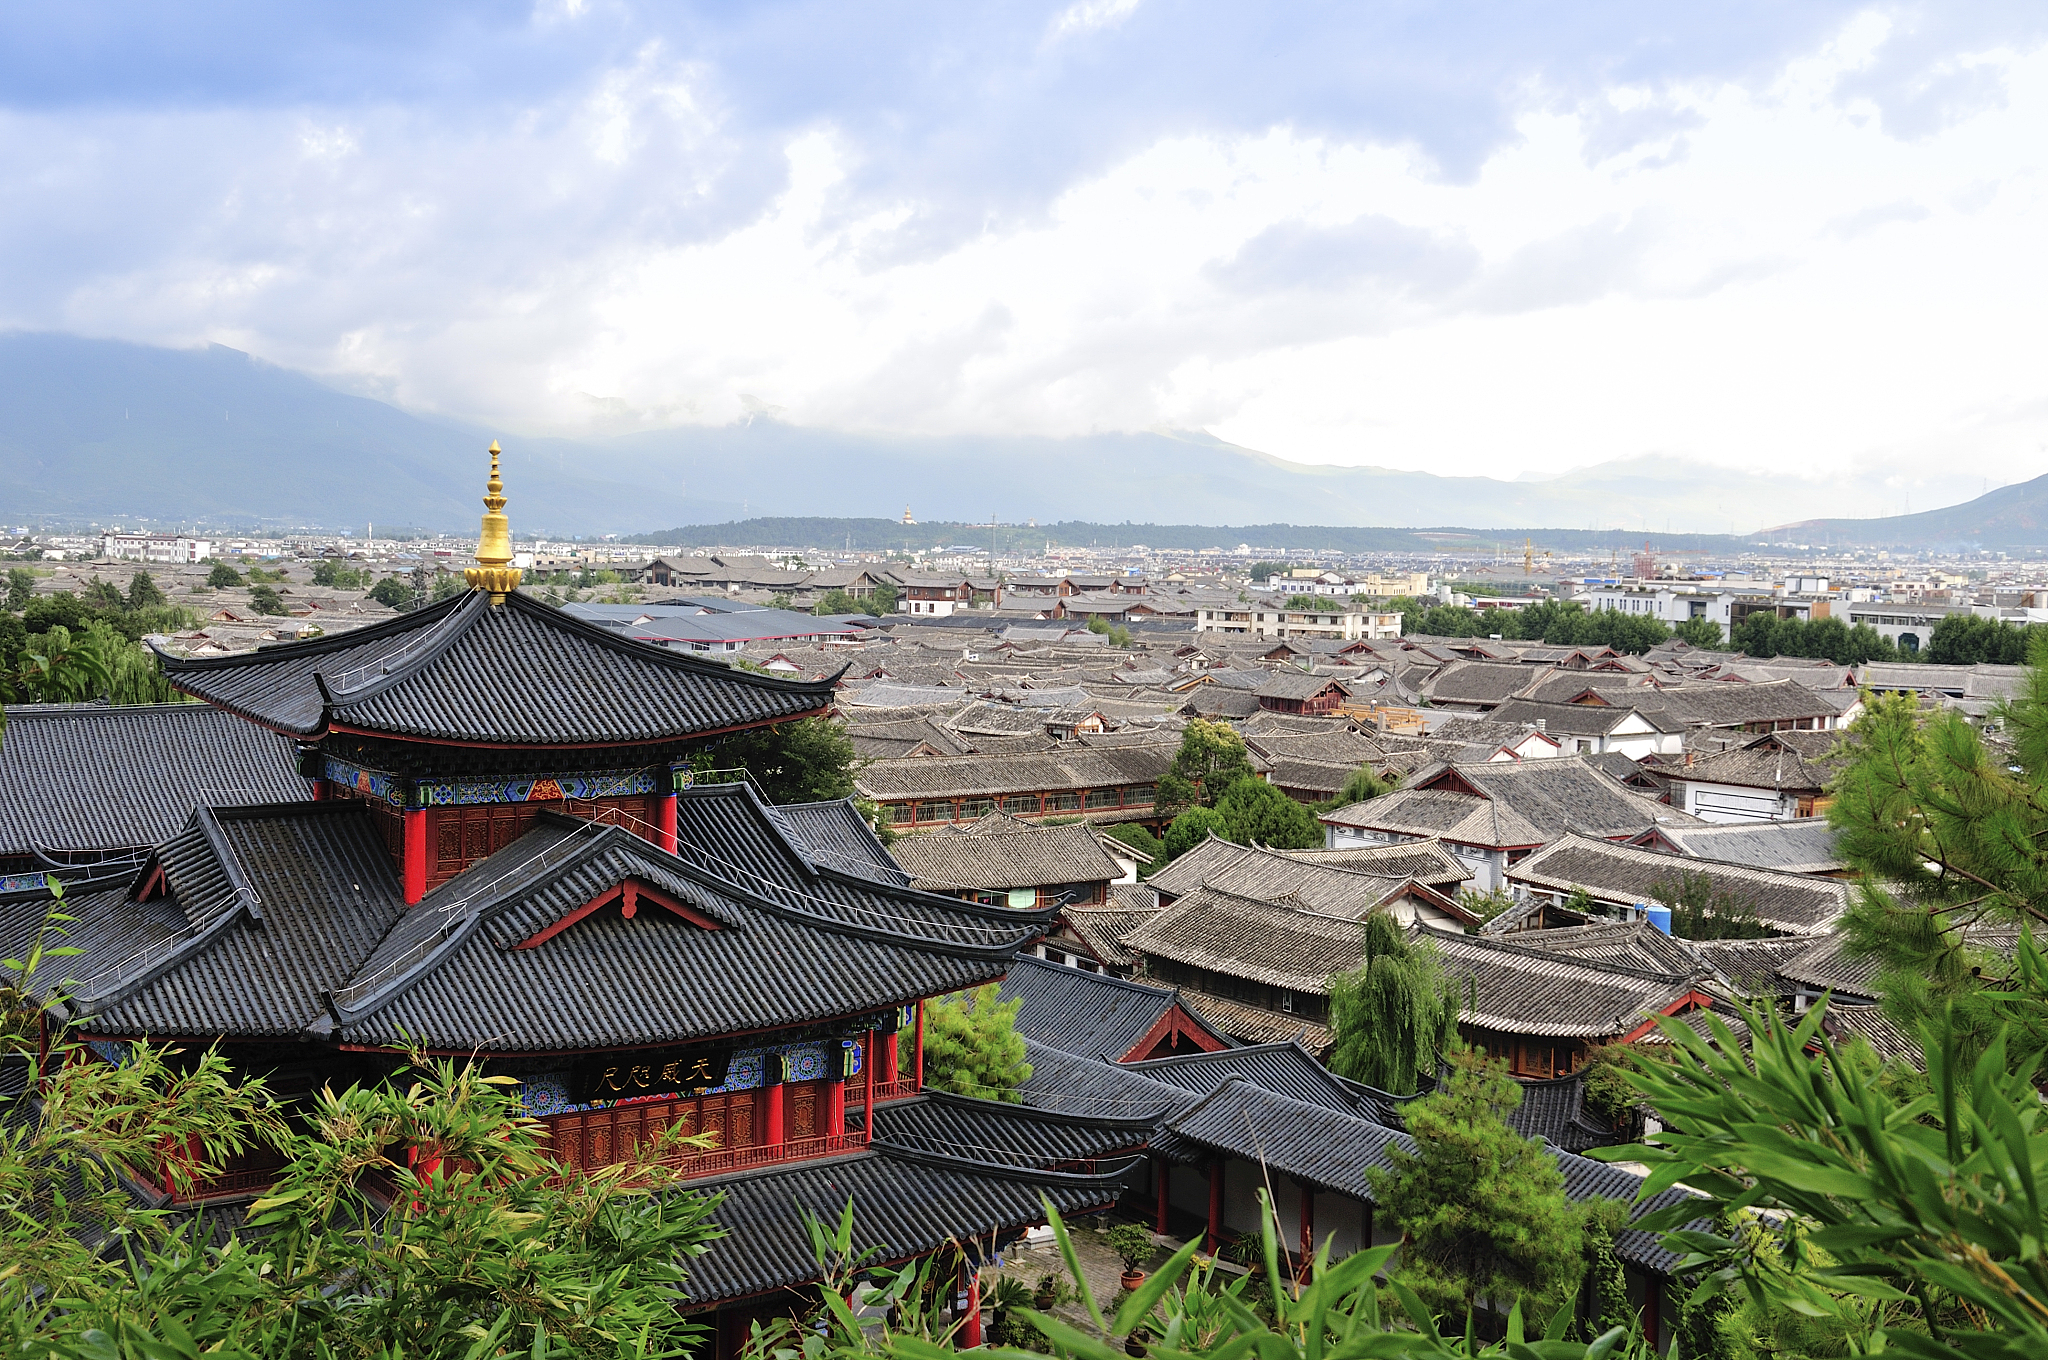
pixel 1394 1013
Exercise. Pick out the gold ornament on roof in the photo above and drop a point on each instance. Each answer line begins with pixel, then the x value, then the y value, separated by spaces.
pixel 494 570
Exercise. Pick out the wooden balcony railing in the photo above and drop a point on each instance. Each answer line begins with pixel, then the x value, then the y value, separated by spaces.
pixel 900 1089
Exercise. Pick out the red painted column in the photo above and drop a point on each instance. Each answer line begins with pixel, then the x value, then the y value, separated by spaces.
pixel 665 822
pixel 319 790
pixel 1215 1205
pixel 867 1063
pixel 415 855
pixel 835 1106
pixel 1653 1296
pixel 971 1334
pixel 888 1072
pixel 917 1050
pixel 772 1114
pixel 1162 1172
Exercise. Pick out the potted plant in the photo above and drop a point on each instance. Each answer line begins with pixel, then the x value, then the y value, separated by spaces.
pixel 1133 1243
pixel 1139 1340
pixel 1248 1252
pixel 1047 1294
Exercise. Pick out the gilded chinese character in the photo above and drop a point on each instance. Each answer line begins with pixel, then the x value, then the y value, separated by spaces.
pixel 641 1076
pixel 610 1080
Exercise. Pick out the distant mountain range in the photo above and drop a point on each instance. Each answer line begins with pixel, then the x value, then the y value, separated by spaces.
pixel 99 430
pixel 2011 517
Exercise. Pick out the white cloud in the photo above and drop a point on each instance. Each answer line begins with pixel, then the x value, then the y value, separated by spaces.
pixel 1757 277
pixel 1086 15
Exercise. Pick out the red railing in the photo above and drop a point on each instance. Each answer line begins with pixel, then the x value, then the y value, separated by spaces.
pixel 857 1091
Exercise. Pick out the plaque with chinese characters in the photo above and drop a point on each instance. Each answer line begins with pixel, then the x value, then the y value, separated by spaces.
pixel 659 1072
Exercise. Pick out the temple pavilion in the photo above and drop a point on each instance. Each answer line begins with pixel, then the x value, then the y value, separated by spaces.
pixel 477 826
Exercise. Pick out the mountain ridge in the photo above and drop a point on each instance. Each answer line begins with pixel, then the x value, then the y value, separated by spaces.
pixel 107 431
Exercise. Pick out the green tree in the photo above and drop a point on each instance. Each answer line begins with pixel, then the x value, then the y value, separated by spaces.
pixel 781 601
pixel 62 667
pixel 265 600
pixel 1908 1218
pixel 223 576
pixel 395 592
pixel 21 588
pixel 1190 829
pixel 1363 785
pixel 807 761
pixel 1211 758
pixel 971 1045
pixel 1143 841
pixel 447 583
pixel 337 574
pixel 1700 632
pixel 144 593
pixel 104 595
pixel 1393 1015
pixel 1254 812
pixel 1482 1209
pixel 1969 639
pixel 882 602
pixel 1698 912
pixel 1304 602
pixel 1949 837
pixel 836 601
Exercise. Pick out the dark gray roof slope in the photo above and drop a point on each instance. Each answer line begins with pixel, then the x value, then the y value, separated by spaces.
pixel 77 777
pixel 1092 1014
pixel 519 673
pixel 1287 1069
pixel 836 836
pixel 1077 1085
pixel 1805 845
pixel 905 1203
pixel 293 925
pixel 1005 1134
pixel 1513 988
pixel 1792 904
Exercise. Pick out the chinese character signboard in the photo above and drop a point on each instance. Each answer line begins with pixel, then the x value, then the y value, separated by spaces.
pixel 653 1072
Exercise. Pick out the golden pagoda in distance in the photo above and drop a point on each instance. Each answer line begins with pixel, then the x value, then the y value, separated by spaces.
pixel 494 570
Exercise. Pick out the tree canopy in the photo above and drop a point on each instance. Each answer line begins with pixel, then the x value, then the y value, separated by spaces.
pixel 971 1045
pixel 807 761
pixel 1256 813
pixel 1394 1014
pixel 1211 758
pixel 1482 1209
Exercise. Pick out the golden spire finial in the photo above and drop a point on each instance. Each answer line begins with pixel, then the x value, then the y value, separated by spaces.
pixel 494 570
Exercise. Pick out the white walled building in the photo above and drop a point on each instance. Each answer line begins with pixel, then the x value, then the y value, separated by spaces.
pixel 156 547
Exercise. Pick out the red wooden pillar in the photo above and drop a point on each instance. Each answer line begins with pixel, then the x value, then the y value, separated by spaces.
pixel 415 855
pixel 970 1335
pixel 665 821
pixel 1215 1238
pixel 835 1106
pixel 1162 1172
pixel 888 1072
pixel 319 790
pixel 1652 1297
pixel 772 1114
pixel 867 1063
pixel 1308 1228
pixel 917 1049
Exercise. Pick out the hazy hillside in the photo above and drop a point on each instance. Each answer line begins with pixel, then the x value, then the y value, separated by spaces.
pixel 2011 517
pixel 101 430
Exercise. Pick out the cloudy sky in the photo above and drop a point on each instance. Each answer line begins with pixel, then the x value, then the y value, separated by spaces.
pixel 1497 238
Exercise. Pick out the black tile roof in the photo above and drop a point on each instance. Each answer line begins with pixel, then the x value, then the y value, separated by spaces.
pixel 1092 1014
pixel 292 925
pixel 1792 904
pixel 1005 1134
pixel 1073 1084
pixel 1287 1069
pixel 82 777
pixel 516 674
pixel 905 1203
